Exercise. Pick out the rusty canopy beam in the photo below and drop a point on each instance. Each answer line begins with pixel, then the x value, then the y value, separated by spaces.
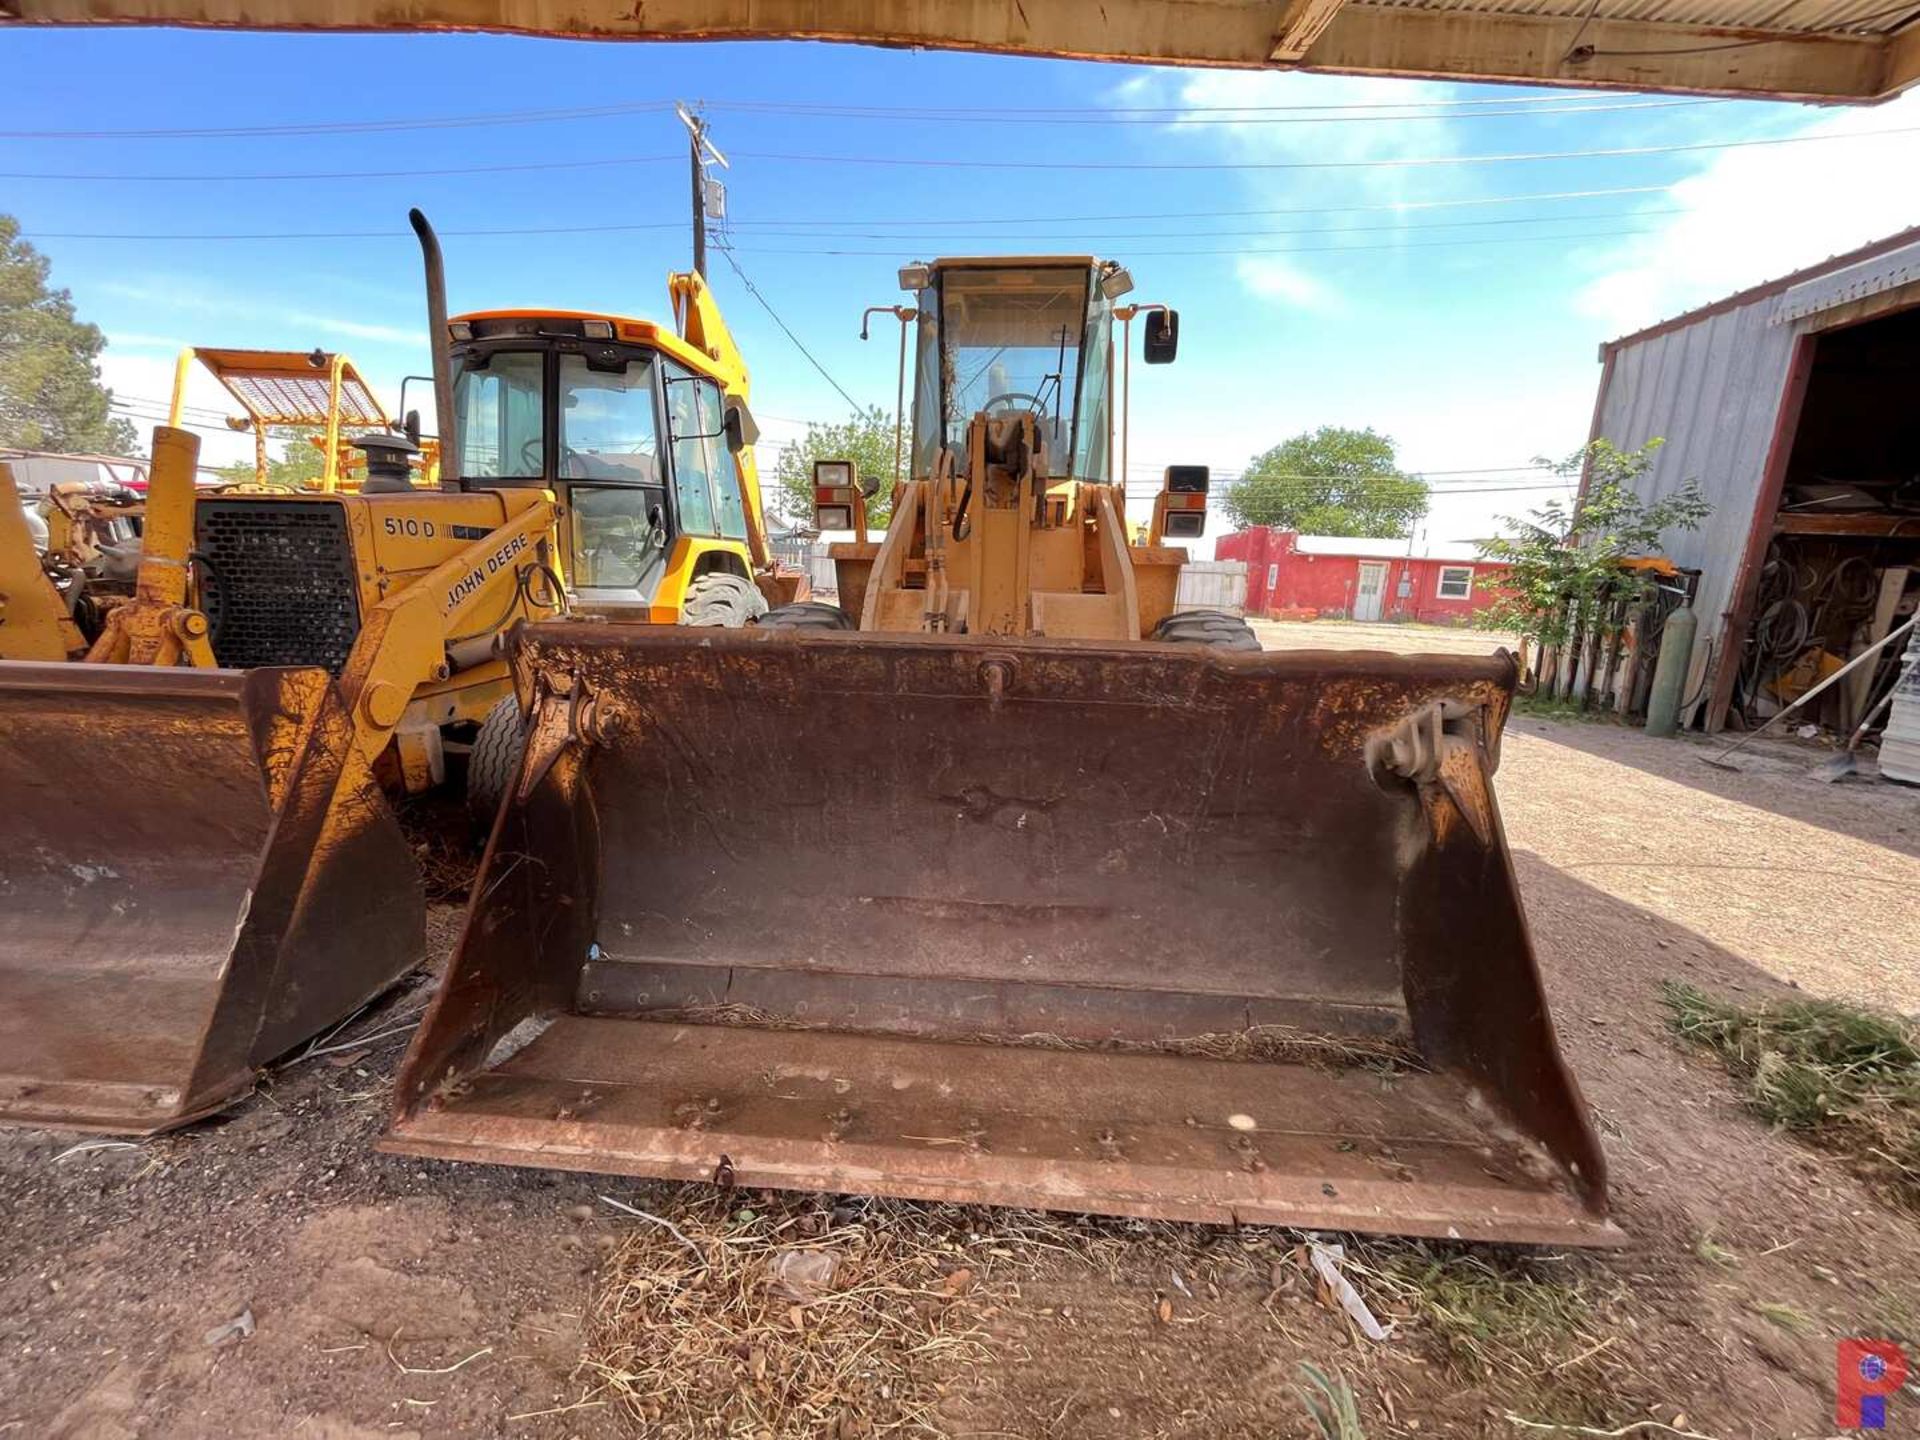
pixel 1579 47
pixel 1305 22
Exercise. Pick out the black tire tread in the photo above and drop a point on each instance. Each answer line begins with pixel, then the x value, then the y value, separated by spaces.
pixel 724 599
pixel 806 615
pixel 495 758
pixel 1207 627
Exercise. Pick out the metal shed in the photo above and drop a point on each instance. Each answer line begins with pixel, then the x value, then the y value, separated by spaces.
pixel 1795 405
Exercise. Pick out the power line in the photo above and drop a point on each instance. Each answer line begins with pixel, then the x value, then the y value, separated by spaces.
pixel 1395 162
pixel 954 163
pixel 232 177
pixel 1001 232
pixel 1277 250
pixel 1184 118
pixel 1110 115
pixel 754 291
pixel 1042 112
pixel 767 226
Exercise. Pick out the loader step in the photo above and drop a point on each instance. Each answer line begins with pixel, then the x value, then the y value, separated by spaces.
pixel 1170 1137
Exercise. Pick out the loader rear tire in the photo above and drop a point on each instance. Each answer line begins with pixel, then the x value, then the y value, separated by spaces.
pixel 1207 627
pixel 494 759
pixel 806 615
pixel 718 598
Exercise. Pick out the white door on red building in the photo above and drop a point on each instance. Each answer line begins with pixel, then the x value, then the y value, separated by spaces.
pixel 1373 587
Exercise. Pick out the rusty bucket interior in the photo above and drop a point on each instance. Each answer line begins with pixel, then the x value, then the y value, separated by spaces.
pixel 1149 930
pixel 197 877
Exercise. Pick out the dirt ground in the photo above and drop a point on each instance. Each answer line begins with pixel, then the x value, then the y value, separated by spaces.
pixel 401 1298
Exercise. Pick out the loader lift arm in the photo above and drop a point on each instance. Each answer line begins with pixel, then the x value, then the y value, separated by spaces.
pixel 407 640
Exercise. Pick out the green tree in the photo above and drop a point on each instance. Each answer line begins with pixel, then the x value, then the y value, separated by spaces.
pixel 1563 561
pixel 1330 481
pixel 866 438
pixel 298 462
pixel 51 397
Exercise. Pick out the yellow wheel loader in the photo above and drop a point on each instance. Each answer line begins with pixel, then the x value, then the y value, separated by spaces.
pixel 287 659
pixel 1006 882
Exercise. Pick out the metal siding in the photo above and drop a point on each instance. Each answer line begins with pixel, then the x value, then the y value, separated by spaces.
pixel 1711 390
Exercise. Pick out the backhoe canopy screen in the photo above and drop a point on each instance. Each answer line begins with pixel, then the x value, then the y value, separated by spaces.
pixel 1010 342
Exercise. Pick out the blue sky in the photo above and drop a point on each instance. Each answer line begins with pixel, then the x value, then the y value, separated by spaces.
pixel 1340 250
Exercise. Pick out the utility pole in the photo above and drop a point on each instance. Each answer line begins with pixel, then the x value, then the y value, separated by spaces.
pixel 701 153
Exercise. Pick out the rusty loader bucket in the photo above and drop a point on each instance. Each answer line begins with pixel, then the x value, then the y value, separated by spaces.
pixel 1147 930
pixel 196 877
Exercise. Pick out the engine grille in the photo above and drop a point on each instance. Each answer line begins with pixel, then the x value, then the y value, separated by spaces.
pixel 280 587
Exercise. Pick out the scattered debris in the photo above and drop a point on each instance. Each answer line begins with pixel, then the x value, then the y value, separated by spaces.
pixel 92 1145
pixel 695 1330
pixel 231 1332
pixel 1326 1264
pixel 803 1275
pixel 431 1369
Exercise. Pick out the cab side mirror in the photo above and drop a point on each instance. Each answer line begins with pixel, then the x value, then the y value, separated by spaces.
pixel 1160 342
pixel 411 426
pixel 738 423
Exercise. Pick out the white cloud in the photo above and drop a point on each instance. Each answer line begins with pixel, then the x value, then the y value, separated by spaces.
pixel 1272 278
pixel 1758 213
pixel 178 297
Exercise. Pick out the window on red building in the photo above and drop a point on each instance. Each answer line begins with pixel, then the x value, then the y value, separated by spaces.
pixel 1456 582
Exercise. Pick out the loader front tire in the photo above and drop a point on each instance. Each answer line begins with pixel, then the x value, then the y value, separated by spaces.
pixel 1207 627
pixel 718 598
pixel 495 758
pixel 806 615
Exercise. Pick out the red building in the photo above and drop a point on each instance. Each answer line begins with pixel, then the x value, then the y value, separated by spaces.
pixel 1343 578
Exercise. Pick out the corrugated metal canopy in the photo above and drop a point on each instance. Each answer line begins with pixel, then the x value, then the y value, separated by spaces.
pixel 1812 49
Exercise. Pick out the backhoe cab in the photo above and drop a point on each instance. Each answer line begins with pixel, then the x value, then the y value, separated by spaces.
pixel 1013 522
pixel 642 436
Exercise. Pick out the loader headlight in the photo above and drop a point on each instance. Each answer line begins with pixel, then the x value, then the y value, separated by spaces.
pixel 597 329
pixel 833 517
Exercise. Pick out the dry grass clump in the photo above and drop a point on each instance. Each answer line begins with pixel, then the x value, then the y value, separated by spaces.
pixel 1845 1077
pixel 790 1320
pixel 1537 1328
pixel 1267 1044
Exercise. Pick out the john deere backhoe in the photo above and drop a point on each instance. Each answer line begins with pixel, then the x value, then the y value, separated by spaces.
pixel 287 659
pixel 1007 882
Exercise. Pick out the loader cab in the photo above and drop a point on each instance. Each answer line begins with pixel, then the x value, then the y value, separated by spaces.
pixel 629 426
pixel 1016 336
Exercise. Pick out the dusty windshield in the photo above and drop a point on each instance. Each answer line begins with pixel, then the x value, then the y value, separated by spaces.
pixel 607 422
pixel 1010 342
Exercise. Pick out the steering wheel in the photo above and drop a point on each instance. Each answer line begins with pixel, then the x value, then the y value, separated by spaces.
pixel 532 456
pixel 1008 397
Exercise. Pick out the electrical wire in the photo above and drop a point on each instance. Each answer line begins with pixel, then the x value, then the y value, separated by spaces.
pixel 956 163
pixel 1391 162
pixel 231 177
pixel 1465 108
pixel 1275 249
pixel 785 329
pixel 1011 224
pixel 939 236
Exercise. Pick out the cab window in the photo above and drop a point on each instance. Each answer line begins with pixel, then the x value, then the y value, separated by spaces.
pixel 700 455
pixel 618 540
pixel 502 422
pixel 607 422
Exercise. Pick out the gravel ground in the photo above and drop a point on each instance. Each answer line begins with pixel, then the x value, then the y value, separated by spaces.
pixel 402 1298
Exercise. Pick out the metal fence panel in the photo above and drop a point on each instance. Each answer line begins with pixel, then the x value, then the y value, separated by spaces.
pixel 1212 585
